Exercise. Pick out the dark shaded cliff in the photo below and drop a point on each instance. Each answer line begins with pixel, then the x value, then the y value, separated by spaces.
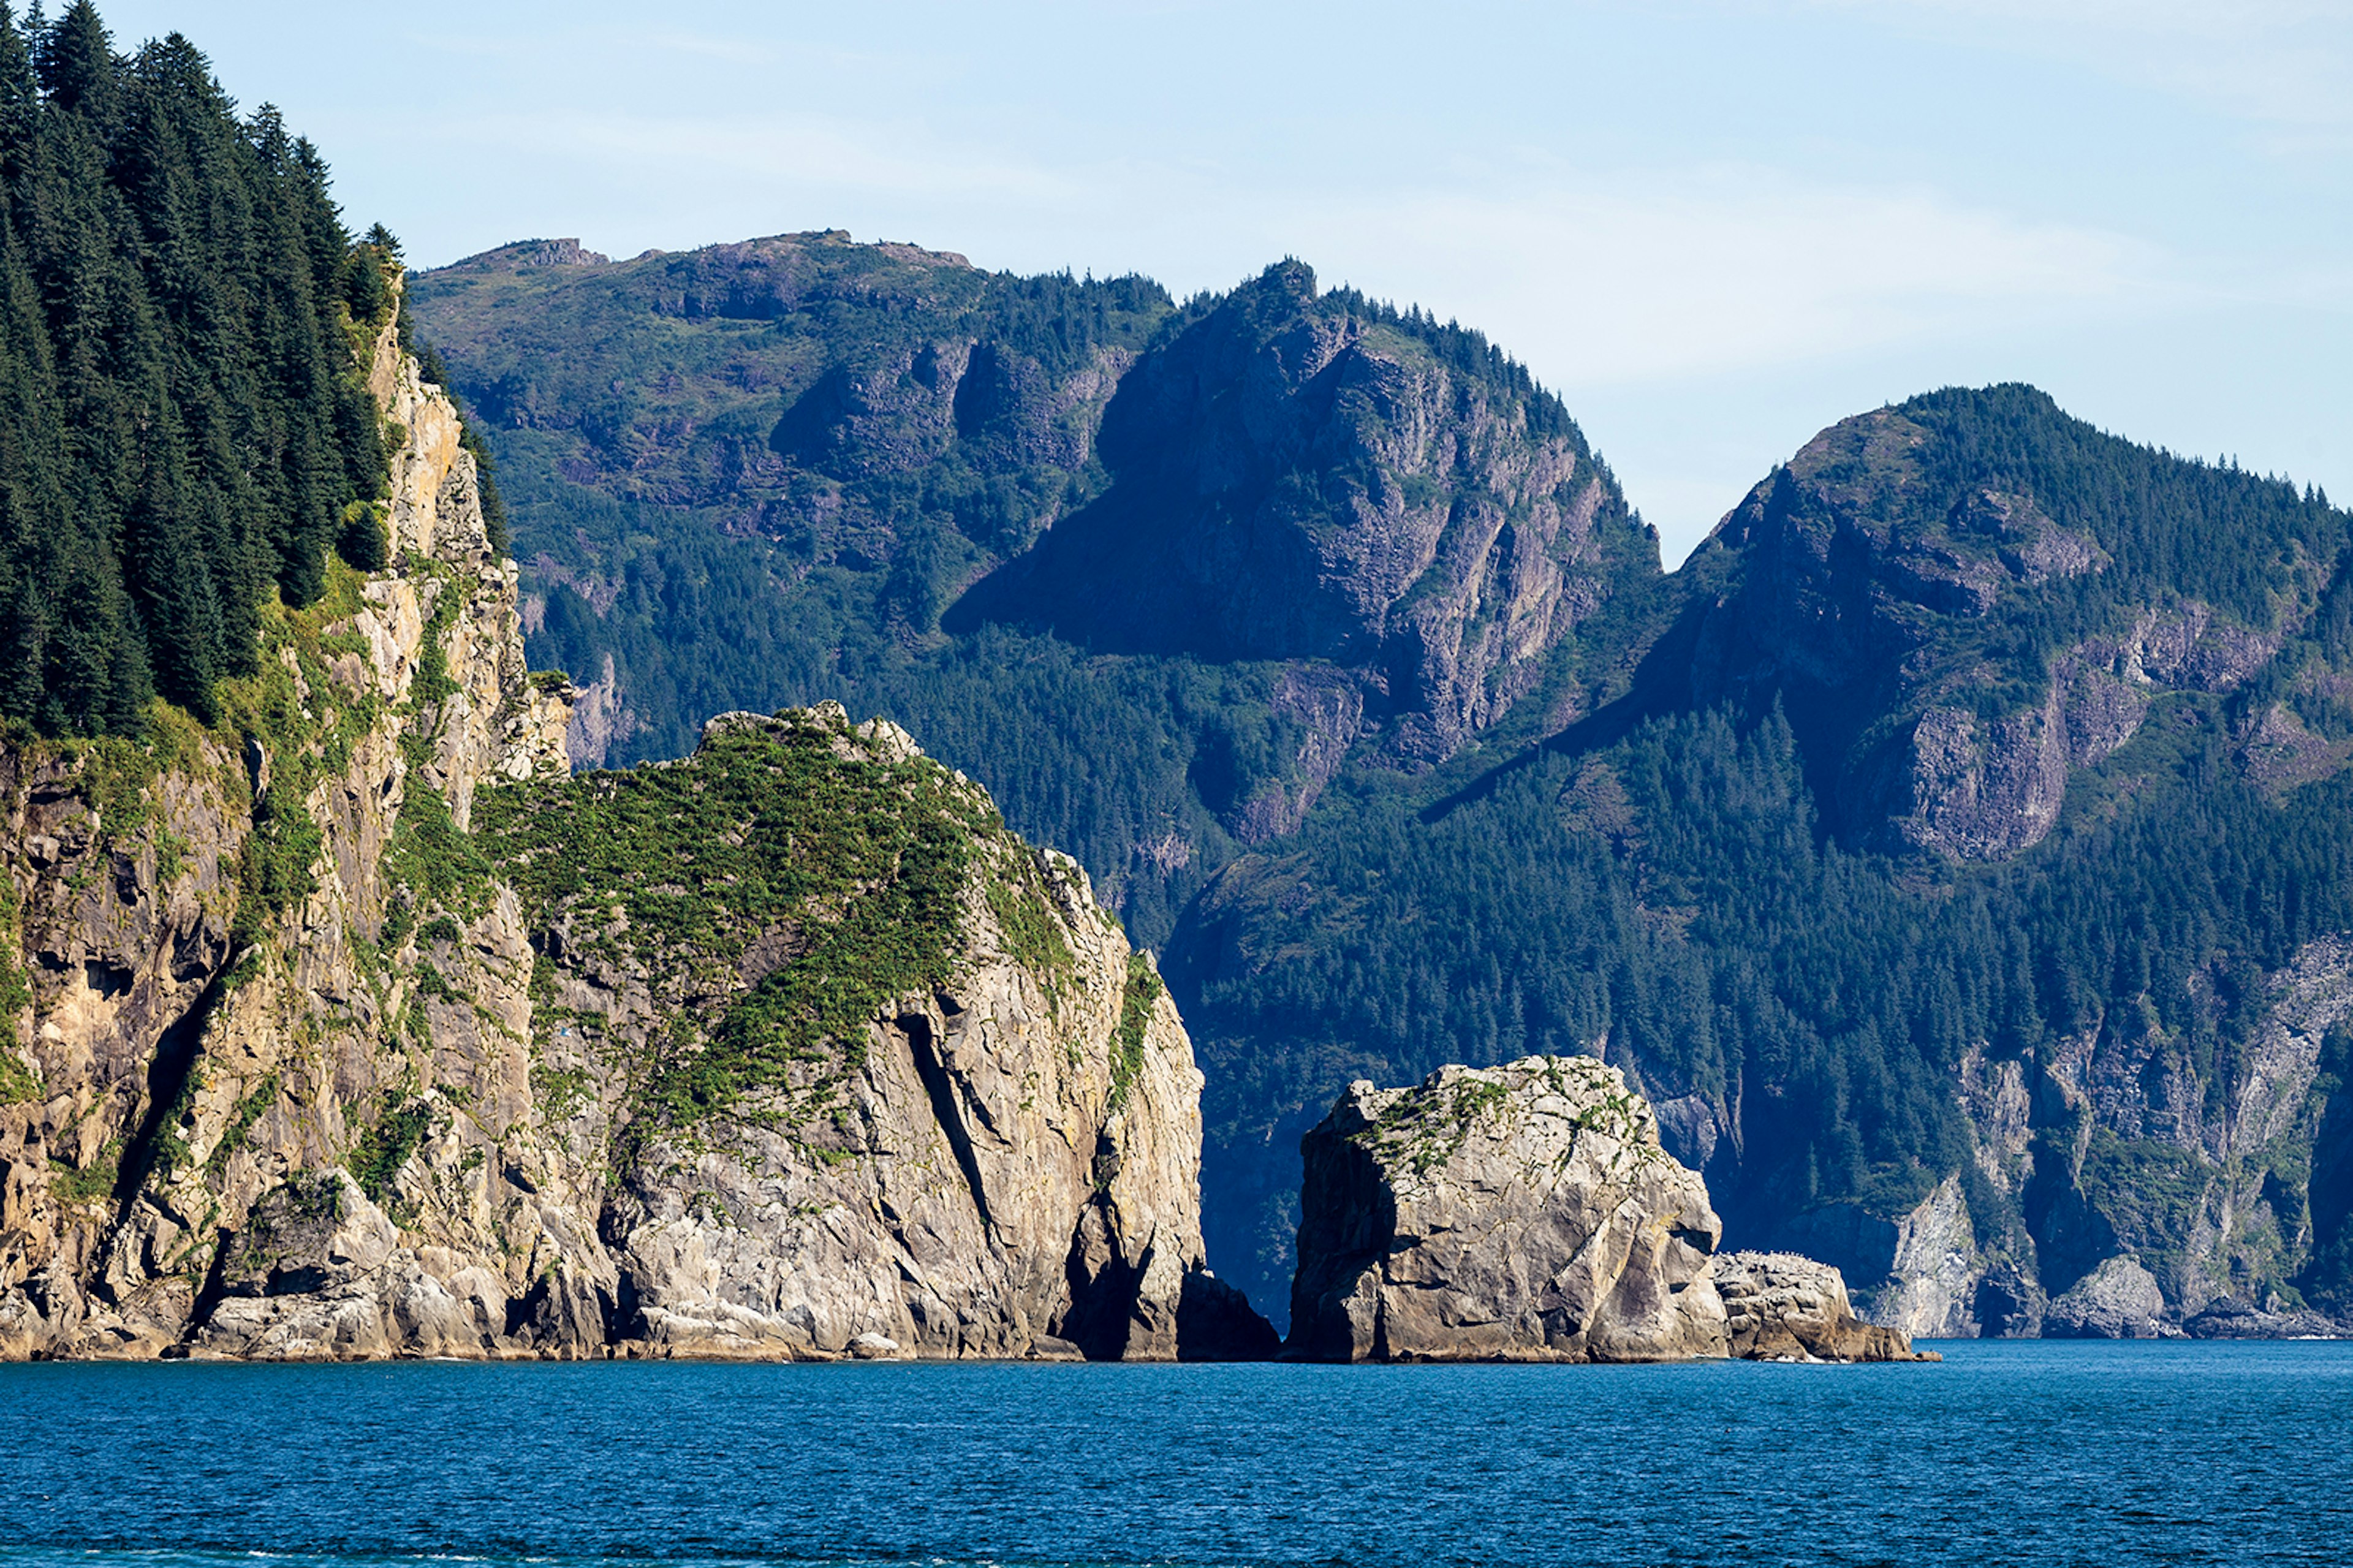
pixel 1011 511
pixel 1952 850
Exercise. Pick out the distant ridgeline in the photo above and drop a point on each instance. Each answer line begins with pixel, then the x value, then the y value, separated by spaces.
pixel 1954 850
pixel 799 467
pixel 184 428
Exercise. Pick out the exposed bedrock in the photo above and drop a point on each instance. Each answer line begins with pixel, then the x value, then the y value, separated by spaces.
pixel 501 1062
pixel 1527 1212
pixel 2159 1195
pixel 1862 573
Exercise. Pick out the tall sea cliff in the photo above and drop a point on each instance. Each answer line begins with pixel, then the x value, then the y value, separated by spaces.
pixel 354 1026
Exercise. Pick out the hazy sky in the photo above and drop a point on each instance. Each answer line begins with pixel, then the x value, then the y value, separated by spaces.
pixel 1714 228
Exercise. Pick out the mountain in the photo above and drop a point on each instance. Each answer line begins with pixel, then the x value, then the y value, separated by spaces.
pixel 1012 514
pixel 1953 849
pixel 338 1017
pixel 1971 919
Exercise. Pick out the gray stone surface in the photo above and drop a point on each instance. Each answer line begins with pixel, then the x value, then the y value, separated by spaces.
pixel 1780 1307
pixel 183 1179
pixel 1528 1213
pixel 2117 1301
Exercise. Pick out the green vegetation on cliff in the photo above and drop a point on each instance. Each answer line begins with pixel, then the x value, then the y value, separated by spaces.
pixel 183 428
pixel 831 884
pixel 1680 837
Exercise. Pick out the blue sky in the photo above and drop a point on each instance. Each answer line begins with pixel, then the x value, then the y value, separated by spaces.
pixel 1715 227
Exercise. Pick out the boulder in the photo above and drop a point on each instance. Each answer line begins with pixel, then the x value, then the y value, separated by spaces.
pixel 1528 1213
pixel 1779 1306
pixel 2117 1301
pixel 1519 1212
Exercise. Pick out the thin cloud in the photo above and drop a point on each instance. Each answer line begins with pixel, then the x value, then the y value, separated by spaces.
pixel 1718 271
pixel 811 153
pixel 2280 62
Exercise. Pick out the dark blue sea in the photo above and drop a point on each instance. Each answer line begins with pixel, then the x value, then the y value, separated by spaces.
pixel 2007 1453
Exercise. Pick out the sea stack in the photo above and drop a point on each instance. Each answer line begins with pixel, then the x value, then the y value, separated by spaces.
pixel 1528 1213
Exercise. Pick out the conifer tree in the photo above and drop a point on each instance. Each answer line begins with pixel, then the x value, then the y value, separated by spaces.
pixel 183 430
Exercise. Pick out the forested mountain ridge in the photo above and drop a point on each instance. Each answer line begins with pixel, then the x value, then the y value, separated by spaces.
pixel 1953 849
pixel 2096 1010
pixel 1948 651
pixel 799 469
pixel 1313 479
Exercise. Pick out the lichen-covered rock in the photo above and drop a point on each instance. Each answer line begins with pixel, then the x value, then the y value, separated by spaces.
pixel 316 1046
pixel 1520 1212
pixel 1527 1212
pixel 1779 1306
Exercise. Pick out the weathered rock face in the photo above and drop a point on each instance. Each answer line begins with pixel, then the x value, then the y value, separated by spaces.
pixel 2134 1169
pixel 1445 543
pixel 1779 1306
pixel 2229 1320
pixel 304 1060
pixel 2117 1301
pixel 1006 1163
pixel 1527 1212
pixel 218 930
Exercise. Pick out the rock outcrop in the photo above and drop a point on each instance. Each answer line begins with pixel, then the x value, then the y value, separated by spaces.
pixel 1779 1306
pixel 2229 1320
pixel 2117 1301
pixel 339 1031
pixel 2146 1180
pixel 1002 1161
pixel 1527 1212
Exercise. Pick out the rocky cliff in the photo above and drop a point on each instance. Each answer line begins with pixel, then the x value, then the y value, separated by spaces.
pixel 1527 1212
pixel 355 1026
pixel 2149 1204
pixel 1957 617
pixel 1304 476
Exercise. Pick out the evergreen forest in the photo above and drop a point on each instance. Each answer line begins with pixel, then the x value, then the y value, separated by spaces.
pixel 183 428
pixel 1682 844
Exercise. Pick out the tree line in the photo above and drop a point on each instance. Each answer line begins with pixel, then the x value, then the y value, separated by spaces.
pixel 184 427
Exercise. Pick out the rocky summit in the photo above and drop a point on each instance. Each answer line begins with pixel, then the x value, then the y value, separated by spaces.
pixel 1951 849
pixel 354 1026
pixel 1527 1212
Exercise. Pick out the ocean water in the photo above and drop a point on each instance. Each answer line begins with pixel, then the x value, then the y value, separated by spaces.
pixel 2007 1453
